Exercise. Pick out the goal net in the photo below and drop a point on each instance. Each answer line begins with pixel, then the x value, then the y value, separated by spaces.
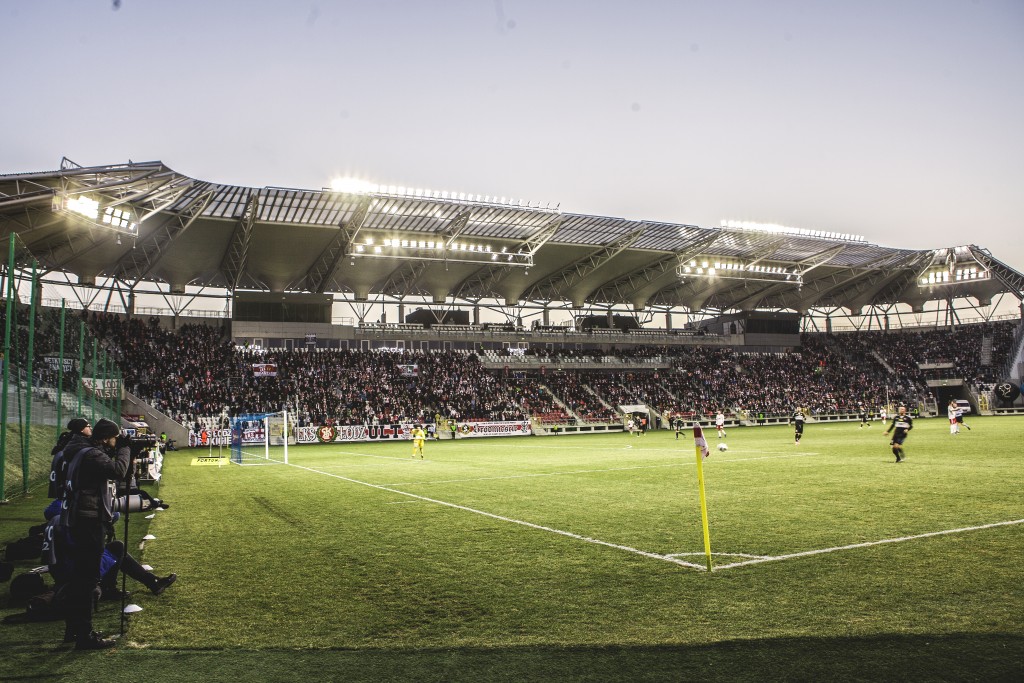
pixel 260 439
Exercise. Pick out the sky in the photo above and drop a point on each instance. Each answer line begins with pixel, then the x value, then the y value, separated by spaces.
pixel 897 120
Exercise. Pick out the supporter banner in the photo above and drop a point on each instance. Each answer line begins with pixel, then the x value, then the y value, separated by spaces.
pixel 479 429
pixel 264 370
pixel 103 388
pixel 54 362
pixel 342 433
pixel 222 437
pixel 409 370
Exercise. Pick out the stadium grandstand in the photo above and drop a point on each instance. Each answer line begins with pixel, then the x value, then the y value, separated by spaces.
pixel 387 305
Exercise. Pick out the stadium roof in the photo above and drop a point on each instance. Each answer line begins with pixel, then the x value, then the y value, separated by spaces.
pixel 143 222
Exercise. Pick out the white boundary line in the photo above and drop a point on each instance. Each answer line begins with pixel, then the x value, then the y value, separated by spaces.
pixel 607 469
pixel 530 525
pixel 866 544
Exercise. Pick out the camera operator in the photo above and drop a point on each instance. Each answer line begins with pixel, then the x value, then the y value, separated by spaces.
pixel 94 467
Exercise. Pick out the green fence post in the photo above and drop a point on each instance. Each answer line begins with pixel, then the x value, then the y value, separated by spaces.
pixel 26 430
pixel 92 399
pixel 81 365
pixel 60 368
pixel 6 364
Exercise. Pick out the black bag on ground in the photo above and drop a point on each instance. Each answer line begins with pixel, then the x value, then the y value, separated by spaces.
pixel 28 548
pixel 27 585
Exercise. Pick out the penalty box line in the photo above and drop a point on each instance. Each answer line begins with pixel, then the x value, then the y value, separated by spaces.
pixel 868 544
pixel 530 525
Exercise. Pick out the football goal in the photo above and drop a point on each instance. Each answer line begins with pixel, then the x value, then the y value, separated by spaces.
pixel 253 435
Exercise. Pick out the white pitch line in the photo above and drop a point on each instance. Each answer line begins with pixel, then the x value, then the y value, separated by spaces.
pixel 531 525
pixel 867 544
pixel 720 554
pixel 597 471
pixel 534 474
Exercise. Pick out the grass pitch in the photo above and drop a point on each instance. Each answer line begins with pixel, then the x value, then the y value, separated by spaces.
pixel 581 558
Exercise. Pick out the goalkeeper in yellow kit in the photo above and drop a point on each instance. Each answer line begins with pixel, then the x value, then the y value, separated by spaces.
pixel 418 435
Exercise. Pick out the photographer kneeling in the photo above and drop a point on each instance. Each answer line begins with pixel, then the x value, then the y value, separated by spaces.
pixel 94 467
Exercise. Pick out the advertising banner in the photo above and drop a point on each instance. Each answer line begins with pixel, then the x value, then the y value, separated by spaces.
pixel 483 429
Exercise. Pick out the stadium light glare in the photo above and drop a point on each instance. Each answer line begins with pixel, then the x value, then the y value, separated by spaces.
pixel 84 206
pixel 775 228
pixel 354 186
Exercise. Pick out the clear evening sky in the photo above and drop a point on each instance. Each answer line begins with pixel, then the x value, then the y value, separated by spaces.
pixel 899 120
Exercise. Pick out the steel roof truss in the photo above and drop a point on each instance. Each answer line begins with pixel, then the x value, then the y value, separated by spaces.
pixel 324 268
pixel 1010 278
pixel 557 286
pixel 148 251
pixel 237 252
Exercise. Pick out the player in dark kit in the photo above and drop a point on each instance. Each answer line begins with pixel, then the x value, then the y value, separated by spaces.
pixel 863 410
pixel 960 418
pixel 903 424
pixel 797 419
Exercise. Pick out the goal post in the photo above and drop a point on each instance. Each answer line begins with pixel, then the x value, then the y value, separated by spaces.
pixel 278 432
pixel 252 436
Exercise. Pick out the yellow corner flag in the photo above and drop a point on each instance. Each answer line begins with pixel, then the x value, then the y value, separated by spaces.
pixel 702 451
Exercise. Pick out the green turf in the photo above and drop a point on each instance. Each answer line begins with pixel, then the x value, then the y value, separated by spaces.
pixel 550 559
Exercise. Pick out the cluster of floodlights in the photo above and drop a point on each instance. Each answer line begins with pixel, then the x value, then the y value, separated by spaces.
pixel 359 186
pixel 112 216
pixel 958 275
pixel 453 251
pixel 737 270
pixel 775 228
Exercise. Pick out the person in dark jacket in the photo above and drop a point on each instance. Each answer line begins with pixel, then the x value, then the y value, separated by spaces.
pixel 79 425
pixel 87 510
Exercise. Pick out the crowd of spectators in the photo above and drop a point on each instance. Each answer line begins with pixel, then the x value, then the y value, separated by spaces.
pixel 906 351
pixel 196 371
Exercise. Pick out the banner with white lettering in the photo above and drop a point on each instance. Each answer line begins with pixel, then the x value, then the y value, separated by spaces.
pixel 222 437
pixel 54 362
pixel 264 370
pixel 482 429
pixel 342 433
pixel 103 388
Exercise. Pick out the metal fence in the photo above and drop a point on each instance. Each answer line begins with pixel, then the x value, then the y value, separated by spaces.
pixel 53 369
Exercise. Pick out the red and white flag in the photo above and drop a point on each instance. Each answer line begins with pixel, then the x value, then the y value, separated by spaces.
pixel 699 441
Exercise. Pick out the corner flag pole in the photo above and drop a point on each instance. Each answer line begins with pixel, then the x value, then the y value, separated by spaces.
pixel 702 451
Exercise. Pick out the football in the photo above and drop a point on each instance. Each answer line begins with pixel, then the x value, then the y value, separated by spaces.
pixel 723 447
